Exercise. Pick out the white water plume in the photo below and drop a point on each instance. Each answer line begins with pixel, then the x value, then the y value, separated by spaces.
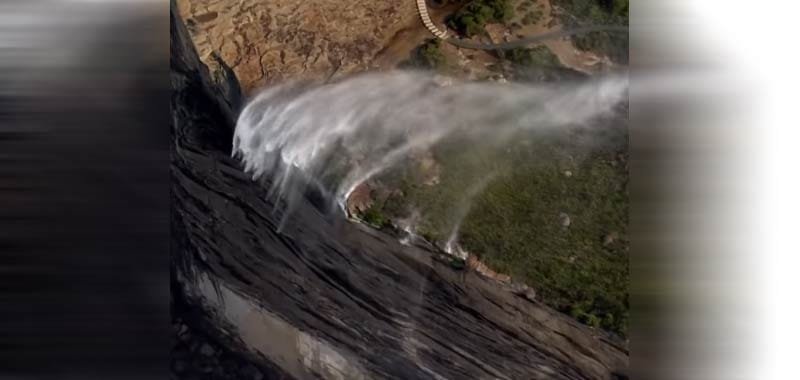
pixel 341 134
pixel 451 246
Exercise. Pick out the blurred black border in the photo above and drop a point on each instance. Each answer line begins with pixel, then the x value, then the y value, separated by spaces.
pixel 84 190
pixel 84 194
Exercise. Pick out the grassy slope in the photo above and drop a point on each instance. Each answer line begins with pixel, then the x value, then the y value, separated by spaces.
pixel 515 228
pixel 514 225
pixel 598 12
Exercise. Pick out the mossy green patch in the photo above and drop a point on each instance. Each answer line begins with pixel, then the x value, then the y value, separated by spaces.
pixel 516 223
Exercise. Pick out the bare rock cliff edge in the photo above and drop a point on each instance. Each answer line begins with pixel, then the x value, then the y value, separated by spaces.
pixel 326 298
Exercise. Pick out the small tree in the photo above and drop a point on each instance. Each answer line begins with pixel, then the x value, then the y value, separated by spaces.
pixel 430 55
pixel 471 19
pixel 374 216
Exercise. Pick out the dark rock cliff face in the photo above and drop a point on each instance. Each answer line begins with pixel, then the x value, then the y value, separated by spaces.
pixel 326 298
pixel 202 108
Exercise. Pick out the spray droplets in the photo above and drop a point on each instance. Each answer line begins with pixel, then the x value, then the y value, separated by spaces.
pixel 336 136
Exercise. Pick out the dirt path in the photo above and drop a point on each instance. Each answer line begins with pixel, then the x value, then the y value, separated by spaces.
pixel 562 47
pixel 546 31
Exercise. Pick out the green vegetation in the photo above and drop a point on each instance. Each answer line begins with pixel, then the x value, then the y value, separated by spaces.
pixel 581 269
pixel 471 19
pixel 457 263
pixel 430 55
pixel 374 216
pixel 536 56
pixel 516 224
pixel 525 5
pixel 536 64
pixel 598 12
pixel 532 17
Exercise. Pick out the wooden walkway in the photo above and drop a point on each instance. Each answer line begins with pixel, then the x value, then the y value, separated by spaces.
pixel 422 7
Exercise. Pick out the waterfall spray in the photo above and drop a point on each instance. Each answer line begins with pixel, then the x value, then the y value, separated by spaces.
pixel 337 136
pixel 451 246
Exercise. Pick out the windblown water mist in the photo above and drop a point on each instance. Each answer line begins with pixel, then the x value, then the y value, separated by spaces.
pixel 337 136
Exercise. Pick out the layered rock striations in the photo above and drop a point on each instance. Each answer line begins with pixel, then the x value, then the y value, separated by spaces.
pixel 327 298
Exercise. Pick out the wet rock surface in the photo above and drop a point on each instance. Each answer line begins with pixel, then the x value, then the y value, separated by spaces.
pixel 390 310
pixel 196 354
